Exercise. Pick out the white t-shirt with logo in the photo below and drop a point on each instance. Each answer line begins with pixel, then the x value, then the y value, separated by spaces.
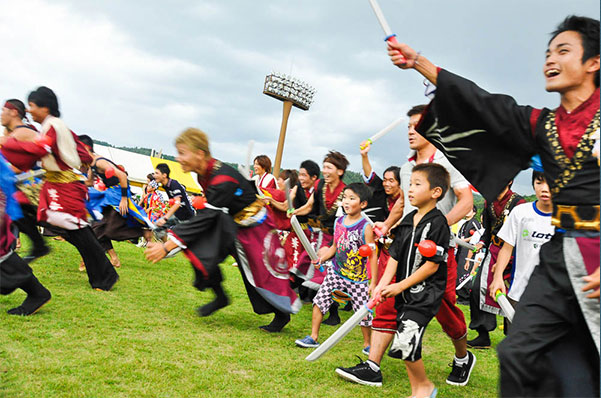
pixel 526 229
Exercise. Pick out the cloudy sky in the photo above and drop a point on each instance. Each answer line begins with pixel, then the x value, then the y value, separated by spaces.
pixel 136 73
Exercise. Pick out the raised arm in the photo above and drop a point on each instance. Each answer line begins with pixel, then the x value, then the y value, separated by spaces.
pixel 367 169
pixel 408 58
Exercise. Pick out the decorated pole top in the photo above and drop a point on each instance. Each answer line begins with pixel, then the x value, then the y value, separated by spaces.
pixel 288 88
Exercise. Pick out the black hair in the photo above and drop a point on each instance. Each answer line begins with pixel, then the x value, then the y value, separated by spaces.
pixel 19 105
pixel 475 209
pixel 362 190
pixel 396 171
pixel 588 29
pixel 45 98
pixel 311 167
pixel 150 177
pixel 163 168
pixel 87 141
pixel 417 110
pixel 538 176
pixel 437 175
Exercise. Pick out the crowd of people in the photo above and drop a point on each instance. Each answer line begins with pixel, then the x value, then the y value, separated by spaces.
pixel 365 240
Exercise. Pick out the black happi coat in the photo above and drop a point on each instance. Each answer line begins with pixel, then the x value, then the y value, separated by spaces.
pixel 211 233
pixel 489 138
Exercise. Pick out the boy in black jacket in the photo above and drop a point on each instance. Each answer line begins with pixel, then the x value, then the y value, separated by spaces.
pixel 422 276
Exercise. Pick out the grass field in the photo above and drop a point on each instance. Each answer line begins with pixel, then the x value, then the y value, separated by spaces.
pixel 144 339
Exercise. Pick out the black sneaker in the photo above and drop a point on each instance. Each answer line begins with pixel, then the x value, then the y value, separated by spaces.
pixel 361 373
pixel 460 374
pixel 481 342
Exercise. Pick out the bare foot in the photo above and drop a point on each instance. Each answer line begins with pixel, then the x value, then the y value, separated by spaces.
pixel 82 266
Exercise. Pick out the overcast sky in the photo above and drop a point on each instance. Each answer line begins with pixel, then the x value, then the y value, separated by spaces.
pixel 137 73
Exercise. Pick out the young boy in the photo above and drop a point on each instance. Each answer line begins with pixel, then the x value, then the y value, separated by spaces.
pixel 348 272
pixel 527 228
pixel 325 204
pixel 422 280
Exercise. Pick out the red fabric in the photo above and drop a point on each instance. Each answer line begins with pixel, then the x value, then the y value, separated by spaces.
pixel 391 201
pixel 196 262
pixel 533 120
pixel 6 236
pixel 21 154
pixel 220 179
pixel 589 248
pixel 21 198
pixel 332 196
pixel 499 205
pixel 282 222
pixel 203 180
pixel 449 315
pixel 66 198
pixel 572 126
pixel 267 265
pixel 385 313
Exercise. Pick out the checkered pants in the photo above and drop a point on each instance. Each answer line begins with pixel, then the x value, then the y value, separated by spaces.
pixel 357 291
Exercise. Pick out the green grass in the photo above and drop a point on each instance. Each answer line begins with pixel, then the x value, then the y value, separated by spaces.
pixel 144 339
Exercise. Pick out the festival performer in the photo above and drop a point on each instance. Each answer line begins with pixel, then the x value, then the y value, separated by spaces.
pixel 263 177
pixel 233 222
pixel 13 114
pixel 527 228
pixel 276 198
pixel 153 202
pixel 307 181
pixel 181 209
pixel 491 138
pixel 122 219
pixel 386 192
pixel 421 277
pixel 63 195
pixel 308 177
pixel 349 270
pixel 470 226
pixel 455 204
pixel 14 272
pixel 483 308
pixel 325 204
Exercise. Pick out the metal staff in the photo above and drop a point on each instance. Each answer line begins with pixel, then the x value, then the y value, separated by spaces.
pixel 381 133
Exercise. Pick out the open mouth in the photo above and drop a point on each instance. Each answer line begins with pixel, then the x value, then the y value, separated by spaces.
pixel 551 72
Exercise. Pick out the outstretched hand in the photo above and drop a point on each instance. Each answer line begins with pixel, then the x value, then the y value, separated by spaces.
pixel 402 55
pixel 155 252
pixel 593 284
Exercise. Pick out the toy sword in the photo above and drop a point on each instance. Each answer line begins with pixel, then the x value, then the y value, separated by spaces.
pixel 343 330
pixel 381 133
pixel 390 37
pixel 505 305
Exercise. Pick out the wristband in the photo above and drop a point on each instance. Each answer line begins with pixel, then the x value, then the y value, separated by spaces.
pixel 124 192
pixel 165 249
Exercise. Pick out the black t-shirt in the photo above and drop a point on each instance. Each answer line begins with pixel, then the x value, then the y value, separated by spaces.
pixel 175 189
pixel 424 298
